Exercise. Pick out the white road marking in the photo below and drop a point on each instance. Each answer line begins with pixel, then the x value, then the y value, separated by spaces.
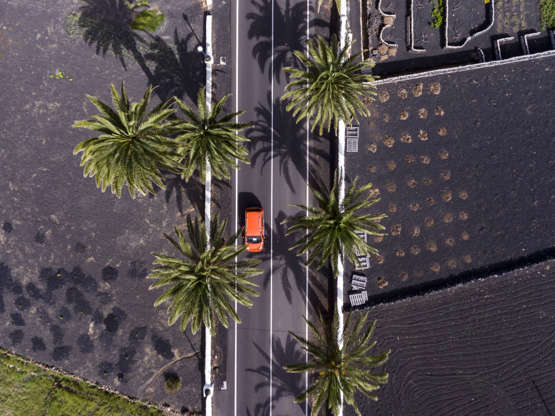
pixel 307 205
pixel 341 167
pixel 271 201
pixel 236 200
pixel 271 207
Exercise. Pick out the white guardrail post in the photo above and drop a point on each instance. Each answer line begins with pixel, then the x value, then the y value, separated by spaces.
pixel 208 389
pixel 341 178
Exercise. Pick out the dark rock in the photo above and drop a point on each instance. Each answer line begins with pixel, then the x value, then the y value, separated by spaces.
pixel 38 344
pixel 61 353
pixel 17 319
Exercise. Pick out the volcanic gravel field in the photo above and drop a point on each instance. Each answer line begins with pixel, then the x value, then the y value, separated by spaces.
pixel 486 348
pixel 73 260
pixel 464 165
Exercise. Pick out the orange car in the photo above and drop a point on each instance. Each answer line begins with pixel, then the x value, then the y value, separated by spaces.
pixel 254 229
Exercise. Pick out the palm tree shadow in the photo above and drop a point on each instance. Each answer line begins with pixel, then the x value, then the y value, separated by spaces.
pixel 284 384
pixel 289 144
pixel 291 270
pixel 106 24
pixel 178 71
pixel 288 266
pixel 193 190
pixel 291 36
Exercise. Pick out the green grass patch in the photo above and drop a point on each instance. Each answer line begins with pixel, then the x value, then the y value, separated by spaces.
pixel 27 389
pixel 547 10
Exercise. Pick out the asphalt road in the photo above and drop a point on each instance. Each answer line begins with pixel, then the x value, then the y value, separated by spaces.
pixel 260 346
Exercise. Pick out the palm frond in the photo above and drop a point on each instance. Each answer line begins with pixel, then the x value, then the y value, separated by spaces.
pixel 333 370
pixel 332 231
pixel 328 86
pixel 203 282
pixel 205 134
pixel 133 146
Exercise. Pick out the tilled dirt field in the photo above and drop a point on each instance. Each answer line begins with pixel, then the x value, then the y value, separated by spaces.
pixel 73 260
pixel 486 348
pixel 463 164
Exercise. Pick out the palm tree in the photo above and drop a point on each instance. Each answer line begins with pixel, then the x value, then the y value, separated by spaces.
pixel 204 280
pixel 133 145
pixel 332 228
pixel 329 85
pixel 334 369
pixel 207 135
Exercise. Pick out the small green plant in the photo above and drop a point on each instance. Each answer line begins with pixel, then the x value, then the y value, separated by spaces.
pixel 148 19
pixel 437 13
pixel 172 382
pixel 60 75
pixel 547 9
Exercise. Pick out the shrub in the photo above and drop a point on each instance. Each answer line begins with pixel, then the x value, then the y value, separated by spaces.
pixel 148 19
pixel 437 13
pixel 172 382
pixel 547 9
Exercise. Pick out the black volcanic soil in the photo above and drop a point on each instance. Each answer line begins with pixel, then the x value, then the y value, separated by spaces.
pixel 486 348
pixel 464 166
pixel 73 260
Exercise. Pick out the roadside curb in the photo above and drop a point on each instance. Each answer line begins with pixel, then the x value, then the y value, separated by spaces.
pixel 343 17
pixel 208 389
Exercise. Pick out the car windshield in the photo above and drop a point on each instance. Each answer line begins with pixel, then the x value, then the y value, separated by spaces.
pixel 253 239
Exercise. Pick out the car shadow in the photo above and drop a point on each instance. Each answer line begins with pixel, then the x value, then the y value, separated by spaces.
pixel 246 200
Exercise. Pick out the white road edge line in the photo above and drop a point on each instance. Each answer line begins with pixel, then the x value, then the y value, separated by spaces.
pixel 341 168
pixel 236 200
pixel 306 213
pixel 208 384
pixel 271 208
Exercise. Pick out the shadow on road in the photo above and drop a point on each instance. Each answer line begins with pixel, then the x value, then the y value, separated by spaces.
pixel 285 385
pixel 287 265
pixel 289 142
pixel 246 200
pixel 290 270
pixel 291 36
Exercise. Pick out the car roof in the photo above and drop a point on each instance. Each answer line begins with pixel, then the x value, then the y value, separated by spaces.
pixel 253 221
